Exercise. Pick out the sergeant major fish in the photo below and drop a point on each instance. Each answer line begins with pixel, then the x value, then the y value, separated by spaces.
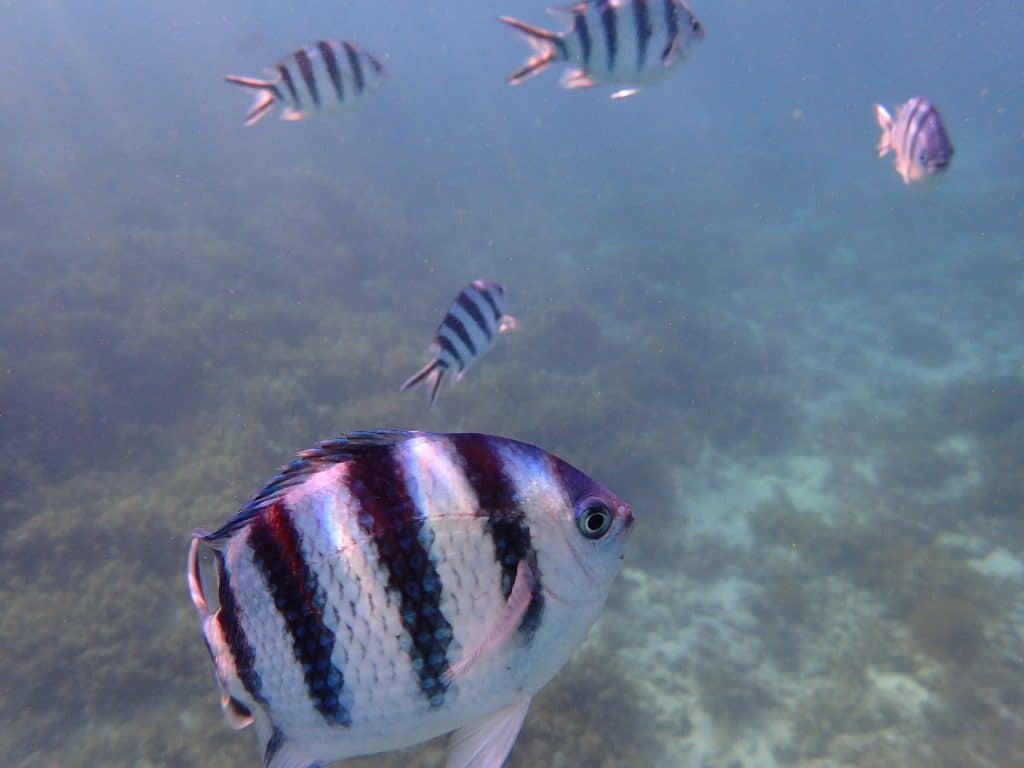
pixel 388 587
pixel 468 330
pixel 325 76
pixel 916 137
pixel 617 42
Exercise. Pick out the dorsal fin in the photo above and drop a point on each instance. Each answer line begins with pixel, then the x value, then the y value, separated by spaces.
pixel 305 464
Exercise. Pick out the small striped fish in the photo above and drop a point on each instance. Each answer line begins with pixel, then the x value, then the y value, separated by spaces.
pixel 916 137
pixel 389 587
pixel 325 76
pixel 616 42
pixel 472 324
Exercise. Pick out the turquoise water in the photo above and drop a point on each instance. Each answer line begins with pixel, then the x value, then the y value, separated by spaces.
pixel 807 378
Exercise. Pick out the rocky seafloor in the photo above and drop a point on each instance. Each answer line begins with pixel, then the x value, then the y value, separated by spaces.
pixel 828 566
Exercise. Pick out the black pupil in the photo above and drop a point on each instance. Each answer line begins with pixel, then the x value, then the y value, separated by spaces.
pixel 596 520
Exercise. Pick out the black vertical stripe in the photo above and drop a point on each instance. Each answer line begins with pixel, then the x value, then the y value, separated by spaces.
pixel 452 322
pixel 644 30
pixel 306 69
pixel 491 303
pixel 234 634
pixel 671 25
pixel 356 65
pixel 474 312
pixel 918 132
pixel 331 62
pixel 299 598
pixel 391 520
pixel 446 344
pixel 915 124
pixel 287 77
pixel 609 20
pixel 583 33
pixel 484 468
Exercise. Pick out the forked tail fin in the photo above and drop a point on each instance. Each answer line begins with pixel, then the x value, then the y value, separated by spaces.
pixel 547 46
pixel 263 98
pixel 885 123
pixel 195 579
pixel 433 372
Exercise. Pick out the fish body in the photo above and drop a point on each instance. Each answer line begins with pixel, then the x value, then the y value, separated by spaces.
pixel 470 327
pixel 916 137
pixel 326 76
pixel 613 42
pixel 389 587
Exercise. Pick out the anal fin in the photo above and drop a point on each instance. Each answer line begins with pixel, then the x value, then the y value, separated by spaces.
pixel 487 742
pixel 282 753
pixel 576 78
pixel 671 52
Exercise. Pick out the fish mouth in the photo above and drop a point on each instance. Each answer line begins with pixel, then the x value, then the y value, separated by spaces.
pixel 941 162
pixel 626 512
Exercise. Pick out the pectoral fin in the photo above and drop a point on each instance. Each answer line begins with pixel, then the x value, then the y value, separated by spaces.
pixel 506 626
pixel 293 115
pixel 487 742
pixel 625 93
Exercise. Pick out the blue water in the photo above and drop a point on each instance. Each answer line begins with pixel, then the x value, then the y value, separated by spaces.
pixel 805 377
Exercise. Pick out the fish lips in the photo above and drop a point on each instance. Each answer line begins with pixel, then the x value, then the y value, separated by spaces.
pixel 940 163
pixel 626 513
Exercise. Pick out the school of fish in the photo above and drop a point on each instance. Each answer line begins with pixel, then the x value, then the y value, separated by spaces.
pixel 388 587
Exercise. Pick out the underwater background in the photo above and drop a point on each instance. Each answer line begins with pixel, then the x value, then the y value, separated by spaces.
pixel 806 377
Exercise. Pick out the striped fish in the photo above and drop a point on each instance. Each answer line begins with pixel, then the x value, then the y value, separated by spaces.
pixel 469 329
pixel 326 76
pixel 917 138
pixel 615 42
pixel 389 587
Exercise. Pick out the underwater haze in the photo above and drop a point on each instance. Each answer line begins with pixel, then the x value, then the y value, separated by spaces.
pixel 806 377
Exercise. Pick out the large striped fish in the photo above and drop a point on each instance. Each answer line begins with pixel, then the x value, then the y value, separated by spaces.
pixel 469 329
pixel 326 76
pixel 614 42
pixel 389 587
pixel 916 137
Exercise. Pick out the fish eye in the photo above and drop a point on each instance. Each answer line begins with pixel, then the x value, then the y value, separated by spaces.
pixel 595 520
